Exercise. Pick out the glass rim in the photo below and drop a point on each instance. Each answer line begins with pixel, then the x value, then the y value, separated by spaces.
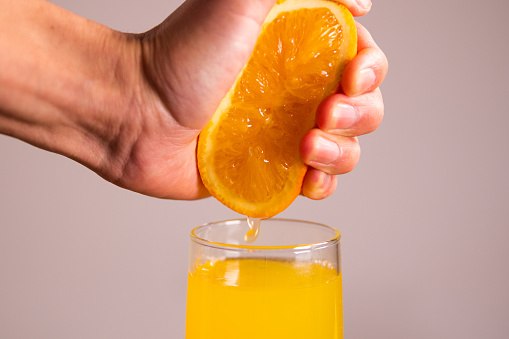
pixel 300 247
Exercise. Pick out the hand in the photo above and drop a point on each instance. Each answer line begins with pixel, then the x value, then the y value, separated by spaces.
pixel 192 67
pixel 131 107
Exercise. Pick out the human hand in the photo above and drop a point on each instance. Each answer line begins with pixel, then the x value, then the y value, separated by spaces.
pixel 131 107
pixel 191 66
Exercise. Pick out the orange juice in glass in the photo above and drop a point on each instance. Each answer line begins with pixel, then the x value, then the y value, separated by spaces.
pixel 286 284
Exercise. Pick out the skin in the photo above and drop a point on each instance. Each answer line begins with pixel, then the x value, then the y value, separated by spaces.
pixel 130 107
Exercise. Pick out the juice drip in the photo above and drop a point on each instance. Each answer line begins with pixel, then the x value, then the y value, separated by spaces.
pixel 254 229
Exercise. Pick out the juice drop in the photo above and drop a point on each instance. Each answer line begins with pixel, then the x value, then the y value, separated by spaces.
pixel 254 229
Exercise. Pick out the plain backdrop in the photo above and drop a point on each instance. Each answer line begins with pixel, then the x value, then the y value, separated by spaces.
pixel 424 216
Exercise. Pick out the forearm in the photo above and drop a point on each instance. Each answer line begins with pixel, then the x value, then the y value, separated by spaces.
pixel 64 80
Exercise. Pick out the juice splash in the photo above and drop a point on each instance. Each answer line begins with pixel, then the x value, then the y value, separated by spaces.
pixel 264 298
pixel 254 229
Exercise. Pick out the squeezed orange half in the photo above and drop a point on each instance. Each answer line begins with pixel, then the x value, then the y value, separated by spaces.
pixel 248 154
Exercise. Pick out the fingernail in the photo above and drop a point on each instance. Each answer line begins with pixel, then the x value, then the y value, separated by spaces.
pixel 325 152
pixel 343 116
pixel 364 3
pixel 365 80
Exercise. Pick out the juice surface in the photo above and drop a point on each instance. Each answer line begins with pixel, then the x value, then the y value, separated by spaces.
pixel 258 298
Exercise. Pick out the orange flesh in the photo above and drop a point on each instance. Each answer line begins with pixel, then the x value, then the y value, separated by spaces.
pixel 274 104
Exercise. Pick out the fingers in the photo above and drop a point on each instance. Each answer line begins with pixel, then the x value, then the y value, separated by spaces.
pixel 318 185
pixel 360 109
pixel 332 148
pixel 340 114
pixel 329 153
pixel 368 69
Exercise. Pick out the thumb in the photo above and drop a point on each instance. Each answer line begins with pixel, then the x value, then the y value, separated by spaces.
pixel 195 55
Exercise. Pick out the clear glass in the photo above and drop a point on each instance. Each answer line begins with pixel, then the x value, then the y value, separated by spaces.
pixel 286 284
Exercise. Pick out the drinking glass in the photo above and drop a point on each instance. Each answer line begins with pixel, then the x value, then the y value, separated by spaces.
pixel 286 284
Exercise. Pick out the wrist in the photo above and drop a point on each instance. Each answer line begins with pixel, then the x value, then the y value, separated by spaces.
pixel 106 114
pixel 67 83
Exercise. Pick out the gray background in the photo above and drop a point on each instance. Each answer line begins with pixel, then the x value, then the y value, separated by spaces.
pixel 424 216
